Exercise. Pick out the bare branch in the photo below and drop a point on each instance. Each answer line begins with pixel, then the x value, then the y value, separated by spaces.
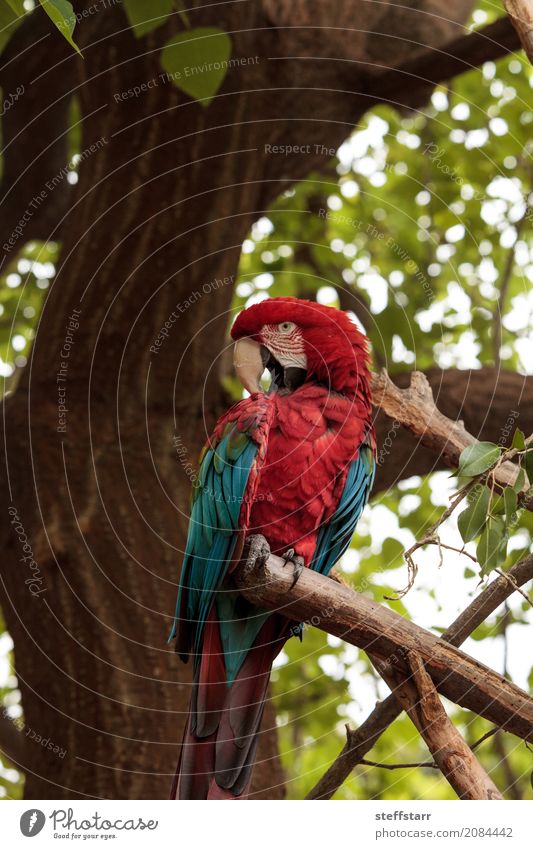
pixel 508 577
pixel 491 402
pixel 385 634
pixel 362 740
pixel 488 601
pixel 415 409
pixel 421 765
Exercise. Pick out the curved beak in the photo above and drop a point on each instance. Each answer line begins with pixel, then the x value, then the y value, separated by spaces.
pixel 248 363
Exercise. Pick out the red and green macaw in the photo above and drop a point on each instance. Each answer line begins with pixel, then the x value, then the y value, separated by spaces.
pixel 287 471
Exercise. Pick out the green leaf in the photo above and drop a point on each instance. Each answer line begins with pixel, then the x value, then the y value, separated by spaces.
pixel 489 548
pixel 477 458
pixel 391 553
pixel 511 502
pixel 528 465
pixel 472 520
pixel 519 440
pixel 147 15
pixel 520 481
pixel 197 60
pixel 62 15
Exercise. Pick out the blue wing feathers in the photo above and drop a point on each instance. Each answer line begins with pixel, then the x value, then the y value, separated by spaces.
pixel 217 499
pixel 334 538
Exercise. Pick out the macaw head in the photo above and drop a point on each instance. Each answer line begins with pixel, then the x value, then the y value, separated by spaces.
pixel 299 341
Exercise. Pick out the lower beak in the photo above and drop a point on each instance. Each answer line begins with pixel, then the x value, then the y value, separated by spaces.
pixel 248 364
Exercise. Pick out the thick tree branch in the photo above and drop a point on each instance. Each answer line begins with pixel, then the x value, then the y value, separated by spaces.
pixel 362 740
pixel 416 693
pixel 414 408
pixel 341 611
pixel 460 55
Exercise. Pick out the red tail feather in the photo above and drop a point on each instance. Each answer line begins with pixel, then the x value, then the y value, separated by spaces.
pixel 218 749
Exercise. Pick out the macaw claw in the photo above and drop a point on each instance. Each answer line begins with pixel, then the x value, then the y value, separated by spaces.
pixel 258 552
pixel 298 564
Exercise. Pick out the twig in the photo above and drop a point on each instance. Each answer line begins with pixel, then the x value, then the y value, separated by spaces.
pixel 413 568
pixel 504 288
pixel 486 736
pixel 508 577
pixel 421 764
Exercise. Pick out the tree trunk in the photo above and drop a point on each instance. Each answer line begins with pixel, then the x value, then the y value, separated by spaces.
pixel 122 383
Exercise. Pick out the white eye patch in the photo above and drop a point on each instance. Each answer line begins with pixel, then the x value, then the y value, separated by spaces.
pixel 286 344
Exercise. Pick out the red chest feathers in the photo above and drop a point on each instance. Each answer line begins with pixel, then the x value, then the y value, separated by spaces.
pixel 313 437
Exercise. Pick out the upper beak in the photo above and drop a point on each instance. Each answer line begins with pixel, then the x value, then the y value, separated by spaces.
pixel 248 363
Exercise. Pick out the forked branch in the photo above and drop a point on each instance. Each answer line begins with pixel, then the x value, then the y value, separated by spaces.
pixel 362 740
pixel 353 617
pixel 417 694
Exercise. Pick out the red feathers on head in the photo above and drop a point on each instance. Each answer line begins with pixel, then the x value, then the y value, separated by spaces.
pixel 303 313
pixel 337 352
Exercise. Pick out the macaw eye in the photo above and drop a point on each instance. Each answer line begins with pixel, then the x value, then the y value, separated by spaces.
pixel 286 327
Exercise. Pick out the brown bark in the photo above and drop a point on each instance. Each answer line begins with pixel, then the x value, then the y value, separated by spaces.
pixel 12 743
pixel 415 409
pixel 166 194
pixel 416 693
pixel 387 636
pixel 362 740
pixel 490 403
pixel 521 15
pixel 34 131
pixel 456 57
